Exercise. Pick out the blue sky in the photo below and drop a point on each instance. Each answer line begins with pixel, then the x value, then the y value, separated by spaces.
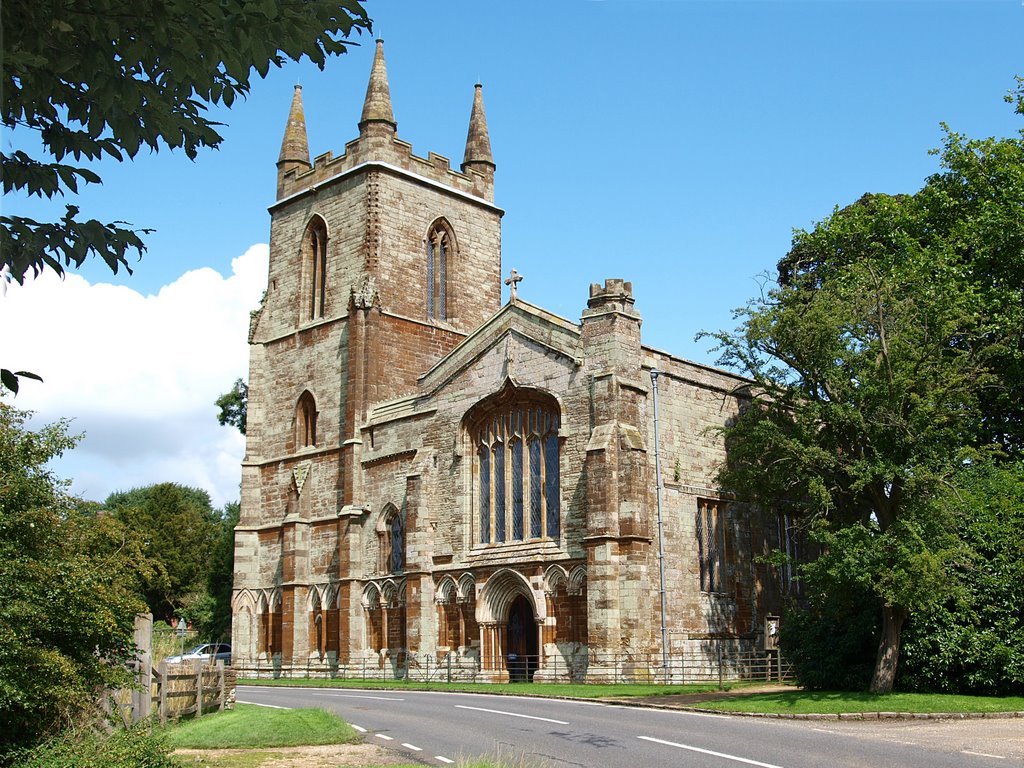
pixel 674 144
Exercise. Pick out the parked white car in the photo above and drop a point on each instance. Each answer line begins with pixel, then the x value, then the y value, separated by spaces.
pixel 205 652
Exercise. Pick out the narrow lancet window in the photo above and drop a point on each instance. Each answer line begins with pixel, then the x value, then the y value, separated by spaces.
pixel 314 256
pixel 439 247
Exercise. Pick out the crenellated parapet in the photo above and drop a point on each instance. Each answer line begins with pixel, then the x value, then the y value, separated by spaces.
pixel 378 145
pixel 392 153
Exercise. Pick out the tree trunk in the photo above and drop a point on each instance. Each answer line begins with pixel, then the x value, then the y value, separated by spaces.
pixel 888 649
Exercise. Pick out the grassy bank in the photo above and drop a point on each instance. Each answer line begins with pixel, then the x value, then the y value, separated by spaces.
pixel 835 702
pixel 251 727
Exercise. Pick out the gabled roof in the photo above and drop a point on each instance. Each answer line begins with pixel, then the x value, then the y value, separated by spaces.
pixel 516 318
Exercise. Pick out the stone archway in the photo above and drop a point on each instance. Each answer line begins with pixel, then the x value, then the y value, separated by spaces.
pixel 504 589
pixel 522 646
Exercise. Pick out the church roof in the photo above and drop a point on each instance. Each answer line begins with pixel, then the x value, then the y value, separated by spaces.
pixel 517 318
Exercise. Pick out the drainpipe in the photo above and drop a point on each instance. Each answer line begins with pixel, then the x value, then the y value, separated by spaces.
pixel 661 527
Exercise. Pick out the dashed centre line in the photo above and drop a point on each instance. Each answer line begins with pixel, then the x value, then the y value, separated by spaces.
pixel 708 752
pixel 411 746
pixel 358 727
pixel 382 736
pixel 982 754
pixel 356 696
pixel 443 759
pixel 512 714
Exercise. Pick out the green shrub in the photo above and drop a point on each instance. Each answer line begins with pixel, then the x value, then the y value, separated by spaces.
pixel 135 748
pixel 974 641
pixel 832 642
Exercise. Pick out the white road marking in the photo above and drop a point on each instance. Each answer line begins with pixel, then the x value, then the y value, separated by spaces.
pixel 708 752
pixel 673 712
pixel 382 736
pixel 512 714
pixel 411 746
pixel 358 727
pixel 983 754
pixel 821 730
pixel 257 704
pixel 443 759
pixel 357 696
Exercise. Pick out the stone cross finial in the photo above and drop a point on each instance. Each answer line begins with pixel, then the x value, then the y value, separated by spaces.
pixel 512 281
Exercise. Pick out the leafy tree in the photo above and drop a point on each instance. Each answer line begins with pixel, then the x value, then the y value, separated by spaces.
pixel 220 581
pixel 234 406
pixel 104 78
pixel 69 590
pixel 973 642
pixel 178 528
pixel 883 358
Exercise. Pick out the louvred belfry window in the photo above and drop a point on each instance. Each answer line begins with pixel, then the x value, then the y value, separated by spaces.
pixel 439 247
pixel 314 256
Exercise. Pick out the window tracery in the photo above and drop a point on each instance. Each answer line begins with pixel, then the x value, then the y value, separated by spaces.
pixel 517 471
pixel 439 246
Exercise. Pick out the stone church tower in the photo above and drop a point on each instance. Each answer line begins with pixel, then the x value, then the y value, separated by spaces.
pixel 431 477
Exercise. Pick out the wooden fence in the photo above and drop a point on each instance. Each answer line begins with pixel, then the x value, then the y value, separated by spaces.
pixel 191 688
pixel 169 690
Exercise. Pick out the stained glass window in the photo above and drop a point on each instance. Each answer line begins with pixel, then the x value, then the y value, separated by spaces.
pixel 518 485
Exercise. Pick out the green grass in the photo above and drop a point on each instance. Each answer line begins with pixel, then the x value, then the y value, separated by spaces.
pixel 573 690
pixel 252 727
pixel 834 702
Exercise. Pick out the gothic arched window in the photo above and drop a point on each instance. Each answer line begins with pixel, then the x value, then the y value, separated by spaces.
pixel 314 267
pixel 440 247
pixel 517 468
pixel 305 421
pixel 392 541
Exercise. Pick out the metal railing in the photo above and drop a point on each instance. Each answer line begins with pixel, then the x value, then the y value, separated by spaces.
pixel 717 664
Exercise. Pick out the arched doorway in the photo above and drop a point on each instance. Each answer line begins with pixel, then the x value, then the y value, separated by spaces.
pixel 522 653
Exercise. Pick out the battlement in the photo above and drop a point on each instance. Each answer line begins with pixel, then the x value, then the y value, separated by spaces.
pixel 615 290
pixel 393 151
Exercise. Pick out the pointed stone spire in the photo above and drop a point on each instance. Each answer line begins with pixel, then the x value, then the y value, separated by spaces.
pixel 478 143
pixel 295 145
pixel 377 106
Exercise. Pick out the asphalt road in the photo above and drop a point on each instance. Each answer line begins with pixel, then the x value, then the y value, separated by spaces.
pixel 440 728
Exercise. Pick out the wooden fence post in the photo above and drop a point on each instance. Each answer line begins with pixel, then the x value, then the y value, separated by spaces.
pixel 162 693
pixel 221 695
pixel 142 694
pixel 199 688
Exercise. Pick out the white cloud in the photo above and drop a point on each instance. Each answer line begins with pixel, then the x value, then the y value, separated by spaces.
pixel 138 374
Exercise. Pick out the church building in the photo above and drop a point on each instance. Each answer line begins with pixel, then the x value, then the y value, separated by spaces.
pixel 434 479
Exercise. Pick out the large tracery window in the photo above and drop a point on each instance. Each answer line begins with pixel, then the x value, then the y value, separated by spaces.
pixel 439 248
pixel 517 471
pixel 314 256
